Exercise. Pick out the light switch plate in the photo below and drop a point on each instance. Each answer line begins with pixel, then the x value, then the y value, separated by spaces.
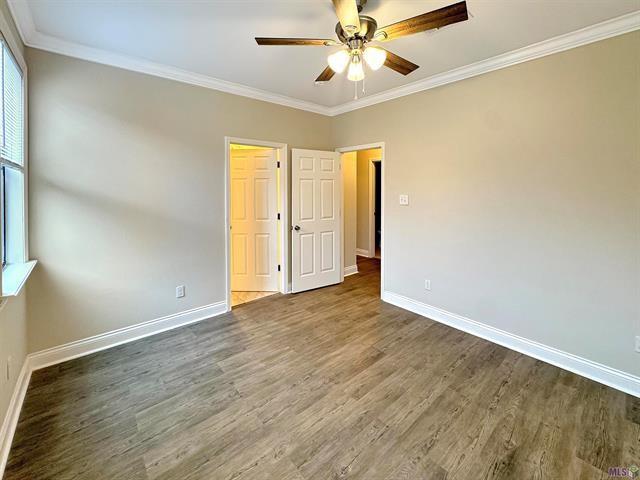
pixel 404 199
pixel 180 291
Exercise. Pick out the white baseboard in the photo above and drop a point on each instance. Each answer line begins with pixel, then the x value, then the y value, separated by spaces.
pixel 87 346
pixel 611 377
pixel 351 270
pixel 10 422
pixel 361 252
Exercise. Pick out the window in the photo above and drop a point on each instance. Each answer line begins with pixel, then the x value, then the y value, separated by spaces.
pixel 12 171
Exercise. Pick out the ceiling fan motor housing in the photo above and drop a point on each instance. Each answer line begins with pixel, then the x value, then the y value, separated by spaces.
pixel 368 28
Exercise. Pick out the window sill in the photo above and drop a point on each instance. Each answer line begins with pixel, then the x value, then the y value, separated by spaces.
pixel 14 276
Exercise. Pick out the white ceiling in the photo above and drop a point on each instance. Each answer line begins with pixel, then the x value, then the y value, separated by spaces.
pixel 215 38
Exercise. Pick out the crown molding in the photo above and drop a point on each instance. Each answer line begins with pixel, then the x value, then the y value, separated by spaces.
pixel 23 19
pixel 69 49
pixel 600 31
pixel 35 39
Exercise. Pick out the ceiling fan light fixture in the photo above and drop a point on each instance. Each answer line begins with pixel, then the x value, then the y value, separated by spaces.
pixel 356 71
pixel 375 57
pixel 339 60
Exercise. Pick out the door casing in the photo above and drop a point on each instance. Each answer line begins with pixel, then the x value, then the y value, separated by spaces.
pixel 282 153
pixel 372 206
pixel 369 146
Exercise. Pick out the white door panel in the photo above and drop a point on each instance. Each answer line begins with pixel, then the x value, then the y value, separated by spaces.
pixel 315 214
pixel 254 265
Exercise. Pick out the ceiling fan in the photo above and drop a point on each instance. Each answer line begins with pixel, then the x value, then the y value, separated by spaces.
pixel 355 31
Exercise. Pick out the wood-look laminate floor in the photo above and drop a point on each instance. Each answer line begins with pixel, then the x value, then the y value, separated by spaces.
pixel 328 384
pixel 238 297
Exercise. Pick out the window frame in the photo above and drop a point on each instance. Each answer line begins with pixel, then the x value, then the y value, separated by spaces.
pixel 15 274
pixel 6 163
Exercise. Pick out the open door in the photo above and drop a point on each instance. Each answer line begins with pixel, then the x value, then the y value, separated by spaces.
pixel 254 211
pixel 316 197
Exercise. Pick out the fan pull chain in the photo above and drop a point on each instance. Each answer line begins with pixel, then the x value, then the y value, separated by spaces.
pixel 355 96
pixel 363 93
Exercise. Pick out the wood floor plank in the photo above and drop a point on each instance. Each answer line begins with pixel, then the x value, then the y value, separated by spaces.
pixel 327 384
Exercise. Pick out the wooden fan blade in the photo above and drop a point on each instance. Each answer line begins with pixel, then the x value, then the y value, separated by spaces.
pixel 399 64
pixel 427 21
pixel 347 12
pixel 319 42
pixel 326 75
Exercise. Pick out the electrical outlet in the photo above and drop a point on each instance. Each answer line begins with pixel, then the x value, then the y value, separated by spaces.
pixel 427 285
pixel 180 291
pixel 638 343
pixel 404 199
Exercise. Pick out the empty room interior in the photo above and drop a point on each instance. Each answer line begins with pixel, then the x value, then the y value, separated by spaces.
pixel 329 239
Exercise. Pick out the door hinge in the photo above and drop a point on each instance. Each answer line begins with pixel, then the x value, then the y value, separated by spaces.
pixel 278 163
pixel 278 215
pixel 278 267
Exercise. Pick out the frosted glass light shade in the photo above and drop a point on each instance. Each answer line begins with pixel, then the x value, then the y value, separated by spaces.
pixel 338 61
pixel 375 57
pixel 356 72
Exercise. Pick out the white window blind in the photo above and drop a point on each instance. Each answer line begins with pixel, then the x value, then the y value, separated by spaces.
pixel 12 178
pixel 12 147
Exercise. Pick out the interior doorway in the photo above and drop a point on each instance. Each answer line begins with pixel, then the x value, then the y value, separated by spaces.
pixel 377 208
pixel 363 204
pixel 257 241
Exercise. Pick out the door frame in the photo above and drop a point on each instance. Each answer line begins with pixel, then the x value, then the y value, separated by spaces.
pixel 282 156
pixel 372 207
pixel 369 146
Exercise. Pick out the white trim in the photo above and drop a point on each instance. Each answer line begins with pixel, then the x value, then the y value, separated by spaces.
pixel 600 31
pixel 23 19
pixel 16 51
pixel 343 217
pixel 10 422
pixel 87 346
pixel 611 377
pixel 283 157
pixel 372 207
pixel 360 252
pixel 14 276
pixel 69 49
pixel 593 33
pixel 350 270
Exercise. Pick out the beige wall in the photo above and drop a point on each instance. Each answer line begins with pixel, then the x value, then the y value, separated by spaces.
pixel 524 195
pixel 524 189
pixel 13 344
pixel 127 192
pixel 350 202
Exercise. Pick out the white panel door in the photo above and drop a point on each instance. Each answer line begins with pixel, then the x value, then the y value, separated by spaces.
pixel 254 226
pixel 316 200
